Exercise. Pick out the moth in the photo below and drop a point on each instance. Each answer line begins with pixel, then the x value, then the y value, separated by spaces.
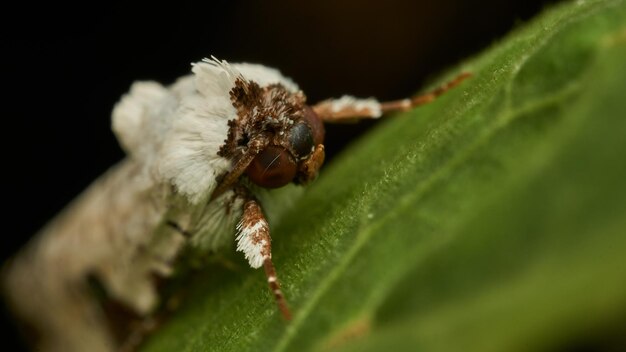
pixel 198 154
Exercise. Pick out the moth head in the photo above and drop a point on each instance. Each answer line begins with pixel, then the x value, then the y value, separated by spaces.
pixel 294 154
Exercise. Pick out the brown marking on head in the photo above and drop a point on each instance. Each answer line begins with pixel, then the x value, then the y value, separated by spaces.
pixel 310 167
pixel 245 96
pixel 280 120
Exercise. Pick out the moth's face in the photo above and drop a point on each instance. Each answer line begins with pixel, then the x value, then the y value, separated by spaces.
pixel 293 155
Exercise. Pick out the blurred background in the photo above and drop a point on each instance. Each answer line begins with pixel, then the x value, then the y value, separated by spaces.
pixel 68 65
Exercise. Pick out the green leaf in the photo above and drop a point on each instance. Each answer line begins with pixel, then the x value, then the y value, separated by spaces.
pixel 493 219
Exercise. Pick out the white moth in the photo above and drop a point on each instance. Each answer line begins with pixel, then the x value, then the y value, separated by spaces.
pixel 197 151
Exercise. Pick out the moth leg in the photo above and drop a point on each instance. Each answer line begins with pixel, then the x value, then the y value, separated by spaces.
pixel 253 239
pixel 348 108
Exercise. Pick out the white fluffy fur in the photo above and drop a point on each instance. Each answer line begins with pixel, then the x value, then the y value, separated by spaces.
pixel 248 245
pixel 188 158
pixel 369 104
pixel 142 117
pixel 216 224
pixel 265 76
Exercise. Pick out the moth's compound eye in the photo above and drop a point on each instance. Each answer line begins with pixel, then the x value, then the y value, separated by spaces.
pixel 301 139
pixel 272 168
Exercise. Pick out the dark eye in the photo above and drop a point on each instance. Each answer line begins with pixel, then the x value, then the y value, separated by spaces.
pixel 272 168
pixel 301 139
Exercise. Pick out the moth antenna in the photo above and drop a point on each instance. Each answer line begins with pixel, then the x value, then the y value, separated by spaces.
pixel 232 177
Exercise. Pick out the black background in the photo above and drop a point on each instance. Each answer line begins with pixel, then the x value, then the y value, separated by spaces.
pixel 67 66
